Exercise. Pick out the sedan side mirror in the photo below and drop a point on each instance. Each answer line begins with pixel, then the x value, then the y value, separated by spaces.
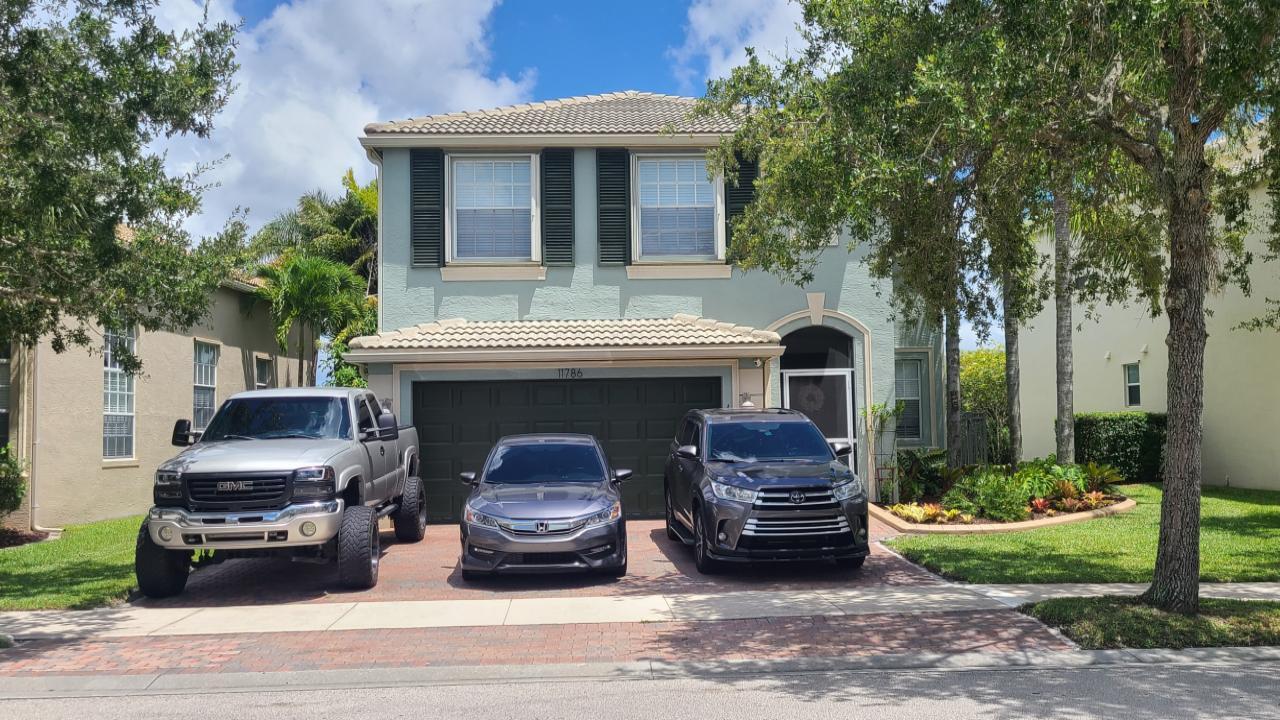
pixel 688 452
pixel 621 475
pixel 468 478
pixel 181 433
pixel 841 449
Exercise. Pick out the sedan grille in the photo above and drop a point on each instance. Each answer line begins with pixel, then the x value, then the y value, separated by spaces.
pixel 806 498
pixel 237 491
pixel 792 527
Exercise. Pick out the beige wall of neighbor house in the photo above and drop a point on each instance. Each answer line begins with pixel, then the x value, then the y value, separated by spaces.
pixel 60 407
pixel 1241 393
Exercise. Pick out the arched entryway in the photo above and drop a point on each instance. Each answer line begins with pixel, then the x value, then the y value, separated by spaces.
pixel 817 379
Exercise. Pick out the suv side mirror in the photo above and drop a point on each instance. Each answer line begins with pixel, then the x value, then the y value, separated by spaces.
pixel 468 478
pixel 621 475
pixel 841 449
pixel 181 433
pixel 387 428
pixel 688 452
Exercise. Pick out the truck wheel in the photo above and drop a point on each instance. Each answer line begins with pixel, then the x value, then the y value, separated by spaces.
pixel 702 559
pixel 161 573
pixel 359 548
pixel 410 519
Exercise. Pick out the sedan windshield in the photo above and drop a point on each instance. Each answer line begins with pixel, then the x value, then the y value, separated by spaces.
pixel 271 418
pixel 756 441
pixel 531 464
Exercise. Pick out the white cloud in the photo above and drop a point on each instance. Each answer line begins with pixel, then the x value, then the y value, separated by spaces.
pixel 718 32
pixel 313 74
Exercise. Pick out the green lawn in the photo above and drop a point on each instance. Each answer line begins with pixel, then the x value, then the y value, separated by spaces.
pixel 1239 542
pixel 1118 622
pixel 89 566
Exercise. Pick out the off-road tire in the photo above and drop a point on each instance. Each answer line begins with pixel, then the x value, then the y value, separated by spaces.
pixel 161 573
pixel 410 519
pixel 704 563
pixel 850 563
pixel 359 548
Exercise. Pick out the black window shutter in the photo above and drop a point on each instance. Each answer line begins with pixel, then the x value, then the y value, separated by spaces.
pixel 738 197
pixel 613 207
pixel 426 206
pixel 557 206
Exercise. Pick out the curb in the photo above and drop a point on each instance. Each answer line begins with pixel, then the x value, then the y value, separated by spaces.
pixel 57 686
pixel 910 528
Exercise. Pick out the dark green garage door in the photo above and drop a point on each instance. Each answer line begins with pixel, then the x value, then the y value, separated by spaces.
pixel 635 419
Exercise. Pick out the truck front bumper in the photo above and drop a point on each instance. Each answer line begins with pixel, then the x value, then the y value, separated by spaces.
pixel 291 526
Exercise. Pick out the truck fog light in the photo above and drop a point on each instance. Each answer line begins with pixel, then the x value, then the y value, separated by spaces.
pixel 308 529
pixel 722 537
pixel 166 533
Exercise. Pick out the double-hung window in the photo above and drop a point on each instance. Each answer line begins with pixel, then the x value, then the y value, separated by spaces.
pixel 205 384
pixel 907 388
pixel 5 382
pixel 678 213
pixel 1132 385
pixel 493 209
pixel 117 395
pixel 262 373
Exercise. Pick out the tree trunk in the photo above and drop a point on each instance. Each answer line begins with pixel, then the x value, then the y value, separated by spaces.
pixel 1176 584
pixel 953 387
pixel 1012 378
pixel 302 333
pixel 1064 427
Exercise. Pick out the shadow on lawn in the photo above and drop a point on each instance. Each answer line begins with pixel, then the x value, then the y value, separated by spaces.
pixel 92 583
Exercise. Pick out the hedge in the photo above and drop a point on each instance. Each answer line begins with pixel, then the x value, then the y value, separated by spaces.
pixel 1131 442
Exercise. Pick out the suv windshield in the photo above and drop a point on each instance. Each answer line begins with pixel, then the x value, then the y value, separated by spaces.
pixel 755 441
pixel 266 418
pixel 530 464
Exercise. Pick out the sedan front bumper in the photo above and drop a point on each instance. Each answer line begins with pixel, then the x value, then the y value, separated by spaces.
pixel 492 550
pixel 178 529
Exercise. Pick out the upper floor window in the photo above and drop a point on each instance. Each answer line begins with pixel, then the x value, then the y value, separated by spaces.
pixel 493 209
pixel 677 214
pixel 117 395
pixel 205 385
pixel 263 373
pixel 5 382
pixel 908 374
pixel 1132 385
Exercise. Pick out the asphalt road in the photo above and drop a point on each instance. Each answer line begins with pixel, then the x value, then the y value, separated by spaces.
pixel 1125 693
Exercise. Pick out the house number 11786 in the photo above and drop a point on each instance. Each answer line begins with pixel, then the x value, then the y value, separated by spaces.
pixel 569 373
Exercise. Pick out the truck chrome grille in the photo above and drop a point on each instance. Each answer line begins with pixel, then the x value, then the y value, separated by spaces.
pixel 237 491
pixel 795 527
pixel 809 498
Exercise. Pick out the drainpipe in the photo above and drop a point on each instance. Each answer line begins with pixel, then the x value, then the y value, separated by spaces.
pixel 35 441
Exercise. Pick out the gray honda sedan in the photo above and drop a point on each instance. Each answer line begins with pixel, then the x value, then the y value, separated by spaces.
pixel 544 503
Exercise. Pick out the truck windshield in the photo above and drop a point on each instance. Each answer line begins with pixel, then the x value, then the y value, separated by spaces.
pixel 531 464
pixel 756 441
pixel 267 418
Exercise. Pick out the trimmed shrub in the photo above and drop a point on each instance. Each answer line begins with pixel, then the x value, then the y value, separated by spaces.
pixel 12 487
pixel 989 493
pixel 1131 442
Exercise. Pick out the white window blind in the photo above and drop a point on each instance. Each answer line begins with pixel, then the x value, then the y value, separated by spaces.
pixel 117 395
pixel 907 387
pixel 492 209
pixel 677 208
pixel 205 383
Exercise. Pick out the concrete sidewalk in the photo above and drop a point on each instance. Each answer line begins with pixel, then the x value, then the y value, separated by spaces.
pixel 734 605
pixel 1013 595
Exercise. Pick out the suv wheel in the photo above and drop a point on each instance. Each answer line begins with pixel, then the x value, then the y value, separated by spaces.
pixel 410 519
pixel 850 563
pixel 359 548
pixel 161 573
pixel 671 517
pixel 702 559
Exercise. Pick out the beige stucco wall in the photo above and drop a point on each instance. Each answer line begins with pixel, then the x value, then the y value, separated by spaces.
pixel 62 439
pixel 1242 392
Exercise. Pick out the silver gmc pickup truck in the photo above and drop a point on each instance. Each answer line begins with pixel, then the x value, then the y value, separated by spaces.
pixel 306 472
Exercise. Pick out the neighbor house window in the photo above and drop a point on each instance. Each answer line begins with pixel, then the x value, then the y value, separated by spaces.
pixel 907 387
pixel 1132 385
pixel 676 215
pixel 492 212
pixel 262 373
pixel 205 385
pixel 117 395
pixel 5 382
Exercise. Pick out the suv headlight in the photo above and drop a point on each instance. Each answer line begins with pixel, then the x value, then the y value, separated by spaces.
pixel 472 517
pixel 731 492
pixel 605 517
pixel 313 483
pixel 168 485
pixel 846 490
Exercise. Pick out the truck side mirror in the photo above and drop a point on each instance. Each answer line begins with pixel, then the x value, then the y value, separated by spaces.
pixel 387 427
pixel 468 478
pixel 181 433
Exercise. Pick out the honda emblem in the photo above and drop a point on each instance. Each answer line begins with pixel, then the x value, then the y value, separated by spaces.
pixel 541 526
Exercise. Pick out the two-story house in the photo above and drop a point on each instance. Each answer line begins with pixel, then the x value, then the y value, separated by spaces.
pixel 561 266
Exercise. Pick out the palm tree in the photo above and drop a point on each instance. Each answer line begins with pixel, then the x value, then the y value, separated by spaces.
pixel 315 294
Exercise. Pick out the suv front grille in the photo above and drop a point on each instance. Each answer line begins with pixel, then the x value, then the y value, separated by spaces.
pixel 237 491
pixel 795 527
pixel 796 498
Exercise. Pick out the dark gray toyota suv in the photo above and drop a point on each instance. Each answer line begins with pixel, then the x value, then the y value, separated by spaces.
pixel 544 503
pixel 747 485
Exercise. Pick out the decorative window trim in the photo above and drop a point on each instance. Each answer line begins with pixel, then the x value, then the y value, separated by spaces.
pixel 1129 386
pixel 271 381
pixel 718 222
pixel 127 381
pixel 535 192
pixel 195 379
pixel 921 378
pixel 680 271
pixel 485 271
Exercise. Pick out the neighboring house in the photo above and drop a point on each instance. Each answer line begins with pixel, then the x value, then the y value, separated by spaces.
pixel 1121 363
pixel 562 266
pixel 91 435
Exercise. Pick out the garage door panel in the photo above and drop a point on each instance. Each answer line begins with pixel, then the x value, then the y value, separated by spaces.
pixel 550 394
pixel 513 395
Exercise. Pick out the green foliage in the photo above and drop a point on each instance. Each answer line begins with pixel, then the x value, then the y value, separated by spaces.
pixel 1100 477
pixel 13 488
pixel 988 493
pixel 344 374
pixel 313 294
pixel 1131 442
pixel 1036 480
pixel 88 89
pixel 984 392
pixel 920 474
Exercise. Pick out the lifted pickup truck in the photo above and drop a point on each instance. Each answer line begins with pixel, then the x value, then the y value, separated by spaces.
pixel 305 472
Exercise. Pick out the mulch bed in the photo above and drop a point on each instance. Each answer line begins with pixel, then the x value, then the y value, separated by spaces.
pixel 13 538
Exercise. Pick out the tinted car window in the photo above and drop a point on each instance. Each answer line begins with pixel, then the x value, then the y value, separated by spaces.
pixel 752 441
pixel 365 421
pixel 515 464
pixel 265 418
pixel 688 432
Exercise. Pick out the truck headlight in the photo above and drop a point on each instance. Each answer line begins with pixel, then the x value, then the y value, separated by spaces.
pixel 472 517
pixel 846 490
pixel 732 492
pixel 605 517
pixel 313 483
pixel 168 486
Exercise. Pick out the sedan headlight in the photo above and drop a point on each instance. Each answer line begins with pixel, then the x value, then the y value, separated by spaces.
pixel 846 490
pixel 732 492
pixel 472 517
pixel 605 517
pixel 313 483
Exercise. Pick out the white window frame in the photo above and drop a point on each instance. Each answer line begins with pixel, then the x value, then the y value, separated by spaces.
pixel 535 192
pixel 919 398
pixel 1124 369
pixel 257 381
pixel 717 187
pixel 195 378
pixel 109 372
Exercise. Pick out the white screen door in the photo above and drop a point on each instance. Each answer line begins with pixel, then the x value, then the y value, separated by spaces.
pixel 826 397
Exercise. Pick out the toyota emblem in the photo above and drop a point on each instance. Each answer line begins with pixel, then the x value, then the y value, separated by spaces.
pixel 797 497
pixel 540 526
